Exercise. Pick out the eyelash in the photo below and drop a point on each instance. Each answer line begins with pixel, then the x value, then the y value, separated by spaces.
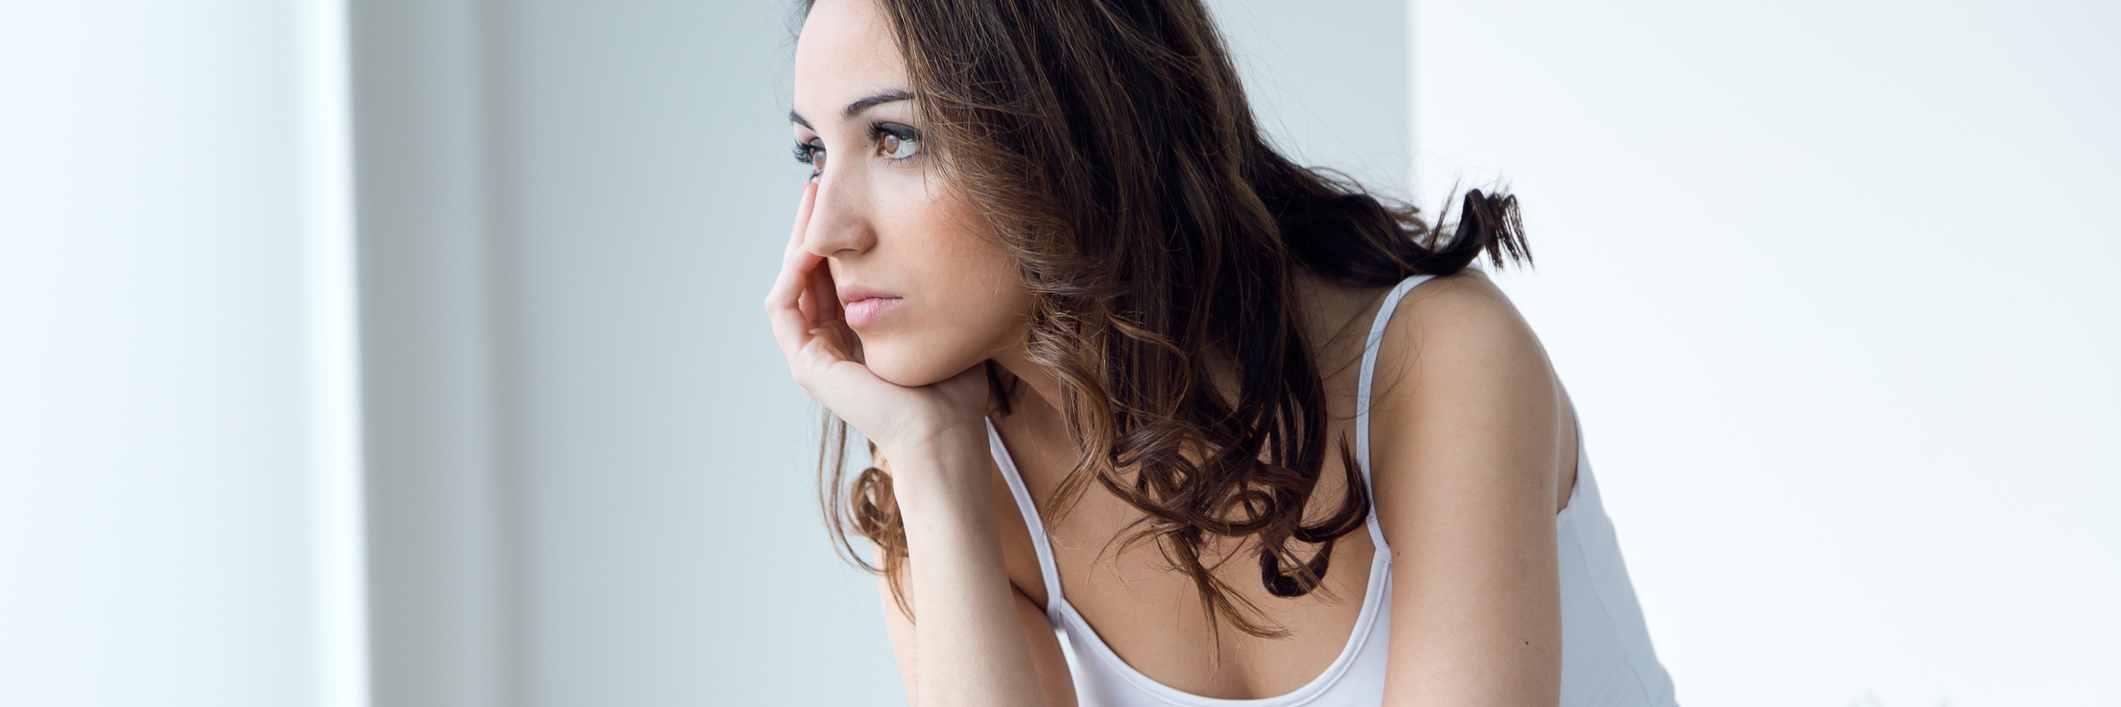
pixel 806 152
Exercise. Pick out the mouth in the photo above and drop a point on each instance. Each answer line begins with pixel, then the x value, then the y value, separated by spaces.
pixel 864 312
pixel 865 306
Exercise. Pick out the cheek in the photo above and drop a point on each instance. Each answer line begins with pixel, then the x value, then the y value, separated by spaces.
pixel 984 298
pixel 971 301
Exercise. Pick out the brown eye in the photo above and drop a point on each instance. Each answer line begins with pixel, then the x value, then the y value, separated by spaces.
pixel 896 146
pixel 811 153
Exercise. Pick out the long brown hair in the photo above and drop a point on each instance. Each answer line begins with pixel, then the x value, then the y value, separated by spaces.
pixel 1109 146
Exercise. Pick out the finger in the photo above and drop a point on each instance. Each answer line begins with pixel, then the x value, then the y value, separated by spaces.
pixel 812 267
pixel 791 325
pixel 803 207
pixel 789 265
pixel 812 306
pixel 839 340
pixel 824 296
pixel 826 367
pixel 783 302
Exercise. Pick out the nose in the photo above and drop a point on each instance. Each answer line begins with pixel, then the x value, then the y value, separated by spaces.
pixel 839 222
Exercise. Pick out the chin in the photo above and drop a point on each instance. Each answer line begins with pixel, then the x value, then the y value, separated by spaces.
pixel 913 366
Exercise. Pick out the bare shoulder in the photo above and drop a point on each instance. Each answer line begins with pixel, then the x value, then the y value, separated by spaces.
pixel 1464 394
pixel 1460 327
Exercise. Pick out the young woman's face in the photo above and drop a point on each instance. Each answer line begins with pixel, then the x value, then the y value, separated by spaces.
pixel 927 291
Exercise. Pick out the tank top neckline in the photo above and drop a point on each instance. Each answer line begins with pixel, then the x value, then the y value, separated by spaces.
pixel 1378 586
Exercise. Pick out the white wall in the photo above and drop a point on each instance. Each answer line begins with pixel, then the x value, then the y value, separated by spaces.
pixel 436 505
pixel 1831 283
pixel 170 528
pixel 1329 82
pixel 664 542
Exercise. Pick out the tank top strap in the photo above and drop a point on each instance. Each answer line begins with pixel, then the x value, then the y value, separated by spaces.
pixel 1362 395
pixel 1029 509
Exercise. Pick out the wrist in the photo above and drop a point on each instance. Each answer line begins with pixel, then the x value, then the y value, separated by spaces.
pixel 946 466
pixel 944 441
pixel 933 433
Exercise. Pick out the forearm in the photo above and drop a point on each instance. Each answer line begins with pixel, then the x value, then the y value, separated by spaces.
pixel 969 645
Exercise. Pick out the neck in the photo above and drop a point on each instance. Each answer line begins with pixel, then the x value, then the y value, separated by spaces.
pixel 1044 385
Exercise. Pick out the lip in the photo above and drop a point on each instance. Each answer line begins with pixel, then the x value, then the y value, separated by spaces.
pixel 865 305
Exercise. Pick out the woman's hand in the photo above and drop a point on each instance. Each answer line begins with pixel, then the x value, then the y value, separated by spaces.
pixel 825 356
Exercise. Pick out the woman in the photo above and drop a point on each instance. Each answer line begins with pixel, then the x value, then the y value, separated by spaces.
pixel 1128 373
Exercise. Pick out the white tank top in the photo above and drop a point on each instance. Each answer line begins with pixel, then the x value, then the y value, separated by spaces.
pixel 1606 658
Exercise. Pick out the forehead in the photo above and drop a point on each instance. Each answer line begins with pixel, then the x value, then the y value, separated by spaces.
pixel 845 52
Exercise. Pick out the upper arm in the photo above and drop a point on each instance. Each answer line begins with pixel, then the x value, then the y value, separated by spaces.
pixel 1468 443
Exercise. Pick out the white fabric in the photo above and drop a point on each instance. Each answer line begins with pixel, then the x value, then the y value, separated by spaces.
pixel 1606 658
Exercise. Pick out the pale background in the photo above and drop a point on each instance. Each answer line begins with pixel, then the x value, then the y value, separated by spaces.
pixel 408 352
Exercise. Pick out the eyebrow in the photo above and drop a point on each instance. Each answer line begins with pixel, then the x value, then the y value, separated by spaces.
pixel 856 108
